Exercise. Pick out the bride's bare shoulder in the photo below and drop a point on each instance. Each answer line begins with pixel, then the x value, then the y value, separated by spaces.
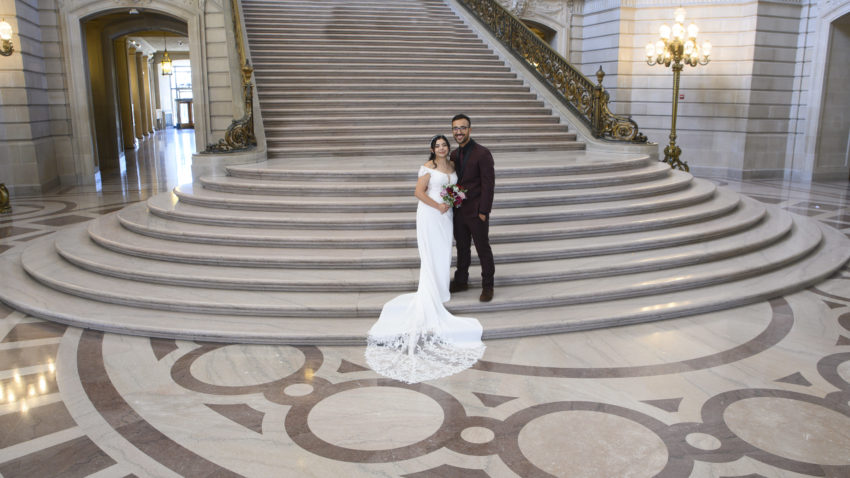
pixel 430 165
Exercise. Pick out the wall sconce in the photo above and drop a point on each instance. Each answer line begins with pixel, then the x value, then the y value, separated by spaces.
pixel 6 47
pixel 165 64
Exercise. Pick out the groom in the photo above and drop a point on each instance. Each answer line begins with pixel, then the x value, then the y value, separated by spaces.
pixel 474 165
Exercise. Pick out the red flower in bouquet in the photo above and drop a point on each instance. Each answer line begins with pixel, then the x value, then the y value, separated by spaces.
pixel 453 194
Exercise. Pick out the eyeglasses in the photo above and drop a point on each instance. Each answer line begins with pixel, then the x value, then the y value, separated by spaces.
pixel 459 128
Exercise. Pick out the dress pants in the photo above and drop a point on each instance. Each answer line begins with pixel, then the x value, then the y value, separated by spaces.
pixel 466 231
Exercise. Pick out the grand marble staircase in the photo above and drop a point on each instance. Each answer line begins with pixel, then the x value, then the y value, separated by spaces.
pixel 306 247
pixel 381 78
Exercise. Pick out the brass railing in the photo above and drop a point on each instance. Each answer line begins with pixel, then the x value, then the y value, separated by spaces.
pixel 240 134
pixel 576 91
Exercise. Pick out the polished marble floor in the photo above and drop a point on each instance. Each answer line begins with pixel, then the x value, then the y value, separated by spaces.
pixel 758 391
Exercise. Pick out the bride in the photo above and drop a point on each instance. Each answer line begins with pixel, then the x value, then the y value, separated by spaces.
pixel 416 338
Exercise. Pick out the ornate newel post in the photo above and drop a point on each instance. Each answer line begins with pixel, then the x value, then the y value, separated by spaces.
pixel 675 48
pixel 240 134
pixel 5 200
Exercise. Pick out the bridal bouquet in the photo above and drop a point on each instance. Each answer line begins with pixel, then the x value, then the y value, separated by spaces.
pixel 453 194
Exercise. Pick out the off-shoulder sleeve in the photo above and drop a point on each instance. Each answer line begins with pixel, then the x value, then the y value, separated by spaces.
pixel 423 170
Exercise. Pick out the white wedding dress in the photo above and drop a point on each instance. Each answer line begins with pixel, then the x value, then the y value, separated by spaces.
pixel 416 338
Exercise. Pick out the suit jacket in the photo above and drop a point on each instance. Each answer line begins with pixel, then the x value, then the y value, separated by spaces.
pixel 479 179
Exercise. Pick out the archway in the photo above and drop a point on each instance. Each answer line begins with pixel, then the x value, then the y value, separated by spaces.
pixel 833 143
pixel 186 20
pixel 123 78
pixel 807 162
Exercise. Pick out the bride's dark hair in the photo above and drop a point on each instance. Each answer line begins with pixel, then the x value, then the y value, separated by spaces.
pixel 434 145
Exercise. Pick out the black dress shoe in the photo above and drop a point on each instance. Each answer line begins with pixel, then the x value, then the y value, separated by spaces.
pixel 458 287
pixel 486 295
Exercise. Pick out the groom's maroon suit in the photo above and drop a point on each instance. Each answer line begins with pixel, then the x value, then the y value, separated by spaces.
pixel 476 174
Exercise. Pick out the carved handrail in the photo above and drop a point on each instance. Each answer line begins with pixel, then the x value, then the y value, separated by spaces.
pixel 576 91
pixel 240 134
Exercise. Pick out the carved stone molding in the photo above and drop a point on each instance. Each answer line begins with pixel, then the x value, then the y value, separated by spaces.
pixel 590 6
pixel 96 5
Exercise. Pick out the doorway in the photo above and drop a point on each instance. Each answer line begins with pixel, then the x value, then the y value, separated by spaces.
pixel 125 51
pixel 833 149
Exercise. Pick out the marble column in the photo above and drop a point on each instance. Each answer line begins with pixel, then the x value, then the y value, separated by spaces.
pixel 146 89
pixel 141 70
pixel 123 83
pixel 133 73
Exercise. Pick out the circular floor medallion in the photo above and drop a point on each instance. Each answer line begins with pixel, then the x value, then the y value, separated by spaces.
pixel 810 433
pixel 477 435
pixel 368 418
pixel 246 365
pixel 592 444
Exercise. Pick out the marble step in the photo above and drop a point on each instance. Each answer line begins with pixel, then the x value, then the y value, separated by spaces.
pixel 374 10
pixel 367 55
pixel 368 63
pixel 269 43
pixel 408 97
pixel 817 266
pixel 362 72
pixel 436 43
pixel 405 201
pixel 404 167
pixel 25 294
pixel 425 130
pixel 716 218
pixel 493 140
pixel 433 89
pixel 391 19
pixel 390 107
pixel 410 34
pixel 518 263
pixel 431 122
pixel 236 185
pixel 293 20
pixel 109 233
pixel 306 81
pixel 276 250
pixel 168 206
pixel 62 276
pixel 279 152
pixel 367 11
pixel 387 112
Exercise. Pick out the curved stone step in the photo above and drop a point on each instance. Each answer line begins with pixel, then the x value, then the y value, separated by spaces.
pixel 716 218
pixel 64 277
pixel 233 185
pixel 564 163
pixel 25 294
pixel 405 201
pixel 822 262
pixel 108 233
pixel 168 206
pixel 550 261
